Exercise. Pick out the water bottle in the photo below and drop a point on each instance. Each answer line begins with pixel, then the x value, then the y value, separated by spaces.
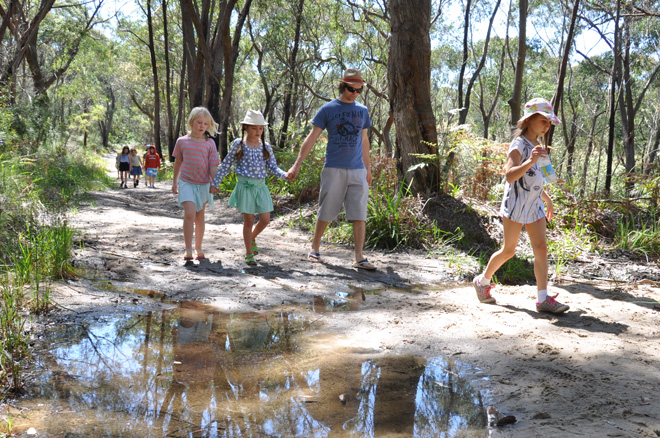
pixel 549 175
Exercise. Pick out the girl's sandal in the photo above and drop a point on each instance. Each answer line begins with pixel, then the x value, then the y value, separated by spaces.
pixel 199 256
pixel 255 248
pixel 249 259
pixel 187 257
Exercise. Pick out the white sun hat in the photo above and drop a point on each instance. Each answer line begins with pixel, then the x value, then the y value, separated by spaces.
pixel 254 118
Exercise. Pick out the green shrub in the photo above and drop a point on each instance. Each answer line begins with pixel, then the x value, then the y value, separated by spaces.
pixel 641 237
pixel 13 341
pixel 393 217
pixel 305 188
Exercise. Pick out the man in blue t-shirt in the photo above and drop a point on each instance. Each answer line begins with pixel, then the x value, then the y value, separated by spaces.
pixel 346 175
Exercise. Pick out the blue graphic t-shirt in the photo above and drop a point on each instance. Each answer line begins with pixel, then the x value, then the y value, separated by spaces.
pixel 344 123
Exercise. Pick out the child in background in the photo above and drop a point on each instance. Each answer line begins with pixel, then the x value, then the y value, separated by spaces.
pixel 522 204
pixel 151 165
pixel 254 158
pixel 196 163
pixel 117 163
pixel 124 165
pixel 144 157
pixel 136 167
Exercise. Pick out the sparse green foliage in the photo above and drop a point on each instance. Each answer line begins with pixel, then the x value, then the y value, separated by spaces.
pixel 36 190
pixel 305 188
pixel 12 332
pixel 640 237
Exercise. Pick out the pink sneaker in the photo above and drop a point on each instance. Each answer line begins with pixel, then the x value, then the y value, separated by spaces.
pixel 551 305
pixel 483 292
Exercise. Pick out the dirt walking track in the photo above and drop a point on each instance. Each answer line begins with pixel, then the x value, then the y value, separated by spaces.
pixel 593 372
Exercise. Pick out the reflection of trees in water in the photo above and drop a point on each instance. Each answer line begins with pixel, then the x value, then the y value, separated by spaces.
pixel 447 403
pixel 195 369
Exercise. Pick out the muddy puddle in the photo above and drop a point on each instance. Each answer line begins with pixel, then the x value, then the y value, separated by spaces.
pixel 194 371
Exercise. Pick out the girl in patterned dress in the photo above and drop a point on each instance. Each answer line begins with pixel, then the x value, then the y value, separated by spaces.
pixel 196 161
pixel 522 204
pixel 254 159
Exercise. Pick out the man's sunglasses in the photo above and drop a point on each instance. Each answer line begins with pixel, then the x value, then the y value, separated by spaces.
pixel 354 90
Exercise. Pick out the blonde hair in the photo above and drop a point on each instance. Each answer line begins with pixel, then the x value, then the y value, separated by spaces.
pixel 201 111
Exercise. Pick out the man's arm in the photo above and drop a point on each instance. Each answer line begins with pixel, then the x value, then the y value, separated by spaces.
pixel 366 158
pixel 305 149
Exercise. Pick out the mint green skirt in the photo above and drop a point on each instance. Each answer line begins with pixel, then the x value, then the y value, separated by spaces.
pixel 251 196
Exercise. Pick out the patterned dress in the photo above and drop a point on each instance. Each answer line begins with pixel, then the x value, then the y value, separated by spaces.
pixel 522 201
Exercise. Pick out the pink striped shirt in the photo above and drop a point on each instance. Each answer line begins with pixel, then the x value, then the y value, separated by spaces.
pixel 197 156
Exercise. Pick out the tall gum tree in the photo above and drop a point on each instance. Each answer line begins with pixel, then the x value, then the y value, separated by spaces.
pixel 515 101
pixel 409 77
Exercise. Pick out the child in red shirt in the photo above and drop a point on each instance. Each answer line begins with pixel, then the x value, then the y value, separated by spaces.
pixel 151 164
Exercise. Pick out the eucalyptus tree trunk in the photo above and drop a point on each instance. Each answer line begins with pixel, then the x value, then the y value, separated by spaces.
pixel 229 54
pixel 466 52
pixel 570 131
pixel 487 114
pixel 465 107
pixel 286 109
pixel 193 21
pixel 154 72
pixel 559 91
pixel 626 105
pixel 22 31
pixel 614 82
pixel 653 152
pixel 590 148
pixel 515 101
pixel 180 108
pixel 105 125
pixel 171 139
pixel 409 77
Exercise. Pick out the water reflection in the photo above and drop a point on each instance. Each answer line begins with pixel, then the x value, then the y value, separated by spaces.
pixel 197 372
pixel 340 301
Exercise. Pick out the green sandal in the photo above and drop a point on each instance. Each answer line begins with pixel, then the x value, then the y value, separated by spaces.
pixel 249 259
pixel 255 248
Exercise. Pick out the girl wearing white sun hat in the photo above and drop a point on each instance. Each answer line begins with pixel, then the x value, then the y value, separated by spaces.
pixel 522 204
pixel 254 160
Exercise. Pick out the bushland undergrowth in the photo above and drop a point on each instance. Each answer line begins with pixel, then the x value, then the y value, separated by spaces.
pixel 37 187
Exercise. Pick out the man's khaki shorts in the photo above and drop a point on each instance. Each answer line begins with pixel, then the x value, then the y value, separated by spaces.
pixel 343 187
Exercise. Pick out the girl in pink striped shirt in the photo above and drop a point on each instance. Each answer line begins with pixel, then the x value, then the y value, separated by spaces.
pixel 195 165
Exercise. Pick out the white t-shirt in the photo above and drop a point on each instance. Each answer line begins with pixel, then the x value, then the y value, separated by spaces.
pixel 522 201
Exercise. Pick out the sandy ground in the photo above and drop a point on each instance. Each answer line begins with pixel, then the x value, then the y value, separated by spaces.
pixel 592 372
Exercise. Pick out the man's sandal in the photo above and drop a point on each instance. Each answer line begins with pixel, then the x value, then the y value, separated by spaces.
pixel 249 259
pixel 365 265
pixel 255 248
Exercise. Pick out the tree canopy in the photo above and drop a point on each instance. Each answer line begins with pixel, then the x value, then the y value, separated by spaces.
pixel 84 72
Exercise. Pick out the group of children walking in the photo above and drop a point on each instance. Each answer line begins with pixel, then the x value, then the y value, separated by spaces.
pixel 129 163
pixel 198 173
